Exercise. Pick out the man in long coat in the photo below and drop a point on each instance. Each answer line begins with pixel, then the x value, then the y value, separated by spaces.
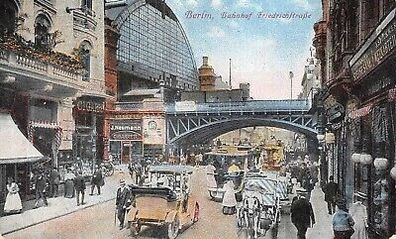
pixel 302 215
pixel 79 185
pixel 331 193
pixel 123 202
pixel 97 180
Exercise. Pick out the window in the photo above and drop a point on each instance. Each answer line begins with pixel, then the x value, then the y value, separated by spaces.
pixel 85 58
pixel 86 4
pixel 42 27
pixel 7 17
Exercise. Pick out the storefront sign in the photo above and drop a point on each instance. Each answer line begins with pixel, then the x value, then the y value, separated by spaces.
pixel 375 86
pixel 126 135
pixel 90 106
pixel 126 130
pixel 379 45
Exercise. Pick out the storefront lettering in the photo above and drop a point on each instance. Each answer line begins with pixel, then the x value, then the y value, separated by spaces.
pixel 124 135
pixel 376 52
pixel 90 106
pixel 125 127
pixel 375 86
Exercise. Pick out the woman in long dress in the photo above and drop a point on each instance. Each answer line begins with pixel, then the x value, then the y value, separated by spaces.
pixel 13 202
pixel 229 200
pixel 69 184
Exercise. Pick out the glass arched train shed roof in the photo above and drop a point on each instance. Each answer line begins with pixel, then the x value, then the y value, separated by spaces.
pixel 154 46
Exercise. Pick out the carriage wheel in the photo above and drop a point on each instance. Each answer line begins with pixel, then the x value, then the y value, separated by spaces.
pixel 173 229
pixel 135 229
pixel 196 212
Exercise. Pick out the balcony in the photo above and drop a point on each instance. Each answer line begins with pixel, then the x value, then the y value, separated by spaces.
pixel 30 69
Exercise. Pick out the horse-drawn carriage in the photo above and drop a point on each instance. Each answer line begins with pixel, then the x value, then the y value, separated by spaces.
pixel 260 204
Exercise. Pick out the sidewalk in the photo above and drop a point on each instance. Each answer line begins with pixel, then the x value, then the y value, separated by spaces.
pixel 323 227
pixel 61 206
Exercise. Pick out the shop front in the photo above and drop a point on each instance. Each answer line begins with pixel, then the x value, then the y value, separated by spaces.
pixel 373 69
pixel 126 141
pixel 88 135
pixel 17 156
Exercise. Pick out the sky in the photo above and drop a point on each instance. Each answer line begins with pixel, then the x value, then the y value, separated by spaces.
pixel 263 49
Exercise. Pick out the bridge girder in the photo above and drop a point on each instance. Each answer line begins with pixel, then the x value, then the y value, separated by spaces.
pixel 193 129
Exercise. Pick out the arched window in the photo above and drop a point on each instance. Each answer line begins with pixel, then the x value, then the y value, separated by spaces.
pixel 42 27
pixel 85 57
pixel 87 4
pixel 8 11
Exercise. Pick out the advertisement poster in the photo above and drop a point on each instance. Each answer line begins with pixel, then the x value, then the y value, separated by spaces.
pixel 209 119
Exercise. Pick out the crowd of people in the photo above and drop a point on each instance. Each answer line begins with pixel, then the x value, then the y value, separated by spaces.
pixel 46 183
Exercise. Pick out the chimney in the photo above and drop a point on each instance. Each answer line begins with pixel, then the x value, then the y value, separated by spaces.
pixel 205 61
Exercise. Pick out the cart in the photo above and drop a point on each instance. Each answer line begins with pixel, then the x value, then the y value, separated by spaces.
pixel 259 209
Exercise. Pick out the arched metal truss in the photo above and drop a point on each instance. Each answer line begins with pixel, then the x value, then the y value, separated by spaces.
pixel 193 129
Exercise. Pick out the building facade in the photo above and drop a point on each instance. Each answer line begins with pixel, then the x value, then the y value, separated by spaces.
pixel 356 46
pixel 155 64
pixel 51 68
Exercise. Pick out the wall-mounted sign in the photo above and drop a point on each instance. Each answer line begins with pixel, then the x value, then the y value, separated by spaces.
pixel 126 130
pixel 378 46
pixel 153 130
pixel 185 106
pixel 126 135
pixel 90 106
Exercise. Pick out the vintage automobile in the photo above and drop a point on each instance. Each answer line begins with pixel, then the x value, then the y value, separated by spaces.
pixel 164 201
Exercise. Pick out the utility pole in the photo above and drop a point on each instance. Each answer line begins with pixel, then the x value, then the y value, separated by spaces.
pixel 229 81
pixel 291 75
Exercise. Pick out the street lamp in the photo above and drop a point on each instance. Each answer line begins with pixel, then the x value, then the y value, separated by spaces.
pixel 366 159
pixel 393 172
pixel 380 163
pixel 355 157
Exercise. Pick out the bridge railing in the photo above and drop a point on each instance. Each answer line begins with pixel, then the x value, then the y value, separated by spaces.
pixel 242 106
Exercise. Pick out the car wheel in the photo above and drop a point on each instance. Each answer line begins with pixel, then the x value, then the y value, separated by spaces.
pixel 196 212
pixel 173 229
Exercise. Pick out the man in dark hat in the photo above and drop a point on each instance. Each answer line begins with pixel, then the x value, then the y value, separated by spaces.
pixel 41 188
pixel 79 185
pixel 331 193
pixel 97 180
pixel 54 178
pixel 302 214
pixel 123 202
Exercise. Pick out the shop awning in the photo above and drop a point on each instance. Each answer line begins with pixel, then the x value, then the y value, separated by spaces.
pixel 14 146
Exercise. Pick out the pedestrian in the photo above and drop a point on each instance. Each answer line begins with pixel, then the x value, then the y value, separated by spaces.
pixel 342 221
pixel 302 215
pixel 41 189
pixel 13 202
pixel 97 180
pixel 131 169
pixel 79 186
pixel 123 201
pixel 138 172
pixel 331 193
pixel 359 212
pixel 308 184
pixel 54 179
pixel 69 183
pixel 229 200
